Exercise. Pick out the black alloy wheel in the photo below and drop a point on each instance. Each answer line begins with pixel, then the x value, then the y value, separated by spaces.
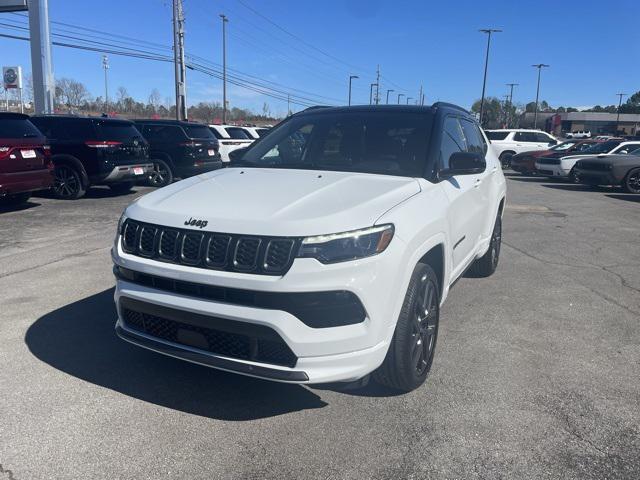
pixel 161 175
pixel 67 184
pixel 631 183
pixel 425 325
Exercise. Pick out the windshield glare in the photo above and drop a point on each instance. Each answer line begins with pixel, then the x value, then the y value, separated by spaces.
pixel 380 142
pixel 563 146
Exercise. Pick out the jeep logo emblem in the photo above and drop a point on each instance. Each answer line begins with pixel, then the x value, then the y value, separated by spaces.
pixel 192 222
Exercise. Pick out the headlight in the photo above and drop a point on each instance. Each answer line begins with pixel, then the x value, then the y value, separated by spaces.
pixel 342 247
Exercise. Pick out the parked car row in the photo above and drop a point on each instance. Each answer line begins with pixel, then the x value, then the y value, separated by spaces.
pixel 507 143
pixel 613 162
pixel 67 154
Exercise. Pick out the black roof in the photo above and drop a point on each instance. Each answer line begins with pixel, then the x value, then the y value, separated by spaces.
pixel 13 116
pixel 385 108
pixel 166 121
pixel 81 117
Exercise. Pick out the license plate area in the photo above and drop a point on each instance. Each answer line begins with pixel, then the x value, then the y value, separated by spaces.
pixel 138 170
pixel 28 153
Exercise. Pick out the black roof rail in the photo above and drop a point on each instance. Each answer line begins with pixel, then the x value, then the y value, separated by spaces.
pixel 450 105
pixel 314 107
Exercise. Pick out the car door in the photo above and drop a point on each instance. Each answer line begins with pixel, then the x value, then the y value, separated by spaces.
pixel 544 141
pixel 465 200
pixel 524 142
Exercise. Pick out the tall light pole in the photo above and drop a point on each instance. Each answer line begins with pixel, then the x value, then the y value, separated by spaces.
pixel 41 65
pixel 371 93
pixel 539 66
pixel 400 95
pixel 619 105
pixel 105 66
pixel 388 92
pixel 409 98
pixel 351 77
pixel 510 85
pixel 178 60
pixel 488 31
pixel 224 68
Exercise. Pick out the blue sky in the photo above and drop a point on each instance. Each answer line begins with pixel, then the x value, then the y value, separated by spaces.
pixel 593 50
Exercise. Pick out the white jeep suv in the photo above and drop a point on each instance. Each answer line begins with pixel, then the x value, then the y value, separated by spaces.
pixel 322 254
pixel 508 143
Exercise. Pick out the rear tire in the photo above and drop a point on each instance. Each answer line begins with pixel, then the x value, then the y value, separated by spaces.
pixel 161 176
pixel 486 265
pixel 122 187
pixel 67 183
pixel 631 183
pixel 412 347
pixel 505 159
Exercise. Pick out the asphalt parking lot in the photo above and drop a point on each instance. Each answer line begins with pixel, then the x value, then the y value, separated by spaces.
pixel 536 375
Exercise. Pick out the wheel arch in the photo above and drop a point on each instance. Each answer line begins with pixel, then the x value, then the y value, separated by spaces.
pixel 436 260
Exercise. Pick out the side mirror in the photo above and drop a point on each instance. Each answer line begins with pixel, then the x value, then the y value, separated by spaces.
pixel 464 163
pixel 237 154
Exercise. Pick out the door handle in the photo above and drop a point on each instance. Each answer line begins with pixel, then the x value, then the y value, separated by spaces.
pixel 477 184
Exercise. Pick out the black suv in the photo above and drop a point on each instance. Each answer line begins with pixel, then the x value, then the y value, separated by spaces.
pixel 89 151
pixel 179 149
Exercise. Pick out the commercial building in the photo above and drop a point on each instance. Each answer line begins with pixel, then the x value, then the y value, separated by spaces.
pixel 598 123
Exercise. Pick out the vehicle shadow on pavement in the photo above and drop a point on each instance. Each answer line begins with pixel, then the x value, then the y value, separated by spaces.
pixel 575 187
pixel 79 339
pixel 17 208
pixel 629 198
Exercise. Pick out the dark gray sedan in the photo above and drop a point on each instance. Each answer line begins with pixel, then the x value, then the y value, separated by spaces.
pixel 623 170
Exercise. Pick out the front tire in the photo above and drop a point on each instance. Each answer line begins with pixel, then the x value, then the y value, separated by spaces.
pixel 412 347
pixel 573 176
pixel 486 265
pixel 631 183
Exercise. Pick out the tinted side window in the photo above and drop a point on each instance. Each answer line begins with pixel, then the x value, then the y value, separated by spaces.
pixel 475 142
pixel 522 137
pixel 78 129
pixel 452 141
pixel 497 135
pixel 17 128
pixel 541 137
pixel 216 133
pixel 237 133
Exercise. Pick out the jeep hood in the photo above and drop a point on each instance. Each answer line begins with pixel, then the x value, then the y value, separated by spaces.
pixel 276 202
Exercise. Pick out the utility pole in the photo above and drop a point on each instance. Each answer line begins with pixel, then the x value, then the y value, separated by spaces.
pixel 178 60
pixel 378 85
pixel 288 104
pixel 400 95
pixel 224 70
pixel 619 105
pixel 510 85
pixel 351 77
pixel 105 66
pixel 506 110
pixel 488 31
pixel 389 91
pixel 43 83
pixel 539 66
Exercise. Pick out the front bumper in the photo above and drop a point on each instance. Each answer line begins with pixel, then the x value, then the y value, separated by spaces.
pixel 123 173
pixel 332 354
pixel 552 170
pixel 27 181
pixel 591 177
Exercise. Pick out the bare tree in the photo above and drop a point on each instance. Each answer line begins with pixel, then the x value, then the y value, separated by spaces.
pixel 122 94
pixel 155 99
pixel 71 93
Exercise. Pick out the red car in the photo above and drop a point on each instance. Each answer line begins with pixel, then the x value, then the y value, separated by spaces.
pixel 525 162
pixel 25 164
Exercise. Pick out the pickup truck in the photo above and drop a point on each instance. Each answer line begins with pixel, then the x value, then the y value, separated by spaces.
pixel 322 254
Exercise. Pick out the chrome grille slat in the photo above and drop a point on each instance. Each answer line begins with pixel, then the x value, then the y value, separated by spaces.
pixel 214 251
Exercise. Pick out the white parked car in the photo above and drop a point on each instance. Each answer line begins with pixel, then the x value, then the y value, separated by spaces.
pixel 563 167
pixel 256 132
pixel 231 138
pixel 323 254
pixel 507 143
pixel 579 134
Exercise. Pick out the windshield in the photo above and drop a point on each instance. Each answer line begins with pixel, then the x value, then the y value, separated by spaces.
pixel 198 131
pixel 368 142
pixel 238 133
pixel 603 147
pixel 563 146
pixel 496 135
